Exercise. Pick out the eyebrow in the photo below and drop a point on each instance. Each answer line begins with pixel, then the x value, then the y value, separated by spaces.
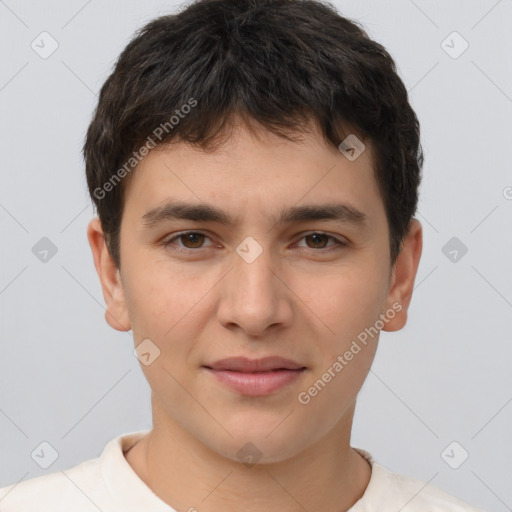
pixel 180 210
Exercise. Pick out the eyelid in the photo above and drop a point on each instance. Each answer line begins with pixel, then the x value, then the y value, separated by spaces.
pixel 339 243
pixel 170 241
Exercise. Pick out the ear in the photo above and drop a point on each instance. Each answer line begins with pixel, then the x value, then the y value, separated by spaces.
pixel 403 276
pixel 116 313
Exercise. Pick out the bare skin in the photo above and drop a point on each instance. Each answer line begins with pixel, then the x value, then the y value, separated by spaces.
pixel 302 298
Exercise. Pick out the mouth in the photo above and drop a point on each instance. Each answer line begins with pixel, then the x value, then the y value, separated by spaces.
pixel 255 377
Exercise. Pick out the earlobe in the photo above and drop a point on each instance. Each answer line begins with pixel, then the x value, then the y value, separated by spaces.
pixel 116 313
pixel 403 277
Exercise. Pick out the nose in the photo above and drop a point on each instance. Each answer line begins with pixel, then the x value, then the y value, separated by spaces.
pixel 254 297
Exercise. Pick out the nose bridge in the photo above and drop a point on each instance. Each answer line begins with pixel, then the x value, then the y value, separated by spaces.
pixel 254 298
pixel 253 279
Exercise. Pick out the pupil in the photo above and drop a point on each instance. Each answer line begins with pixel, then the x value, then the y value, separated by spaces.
pixel 316 236
pixel 193 237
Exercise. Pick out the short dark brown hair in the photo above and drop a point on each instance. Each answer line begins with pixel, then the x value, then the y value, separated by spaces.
pixel 283 64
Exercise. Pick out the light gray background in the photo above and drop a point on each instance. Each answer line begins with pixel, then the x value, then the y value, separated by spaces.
pixel 69 379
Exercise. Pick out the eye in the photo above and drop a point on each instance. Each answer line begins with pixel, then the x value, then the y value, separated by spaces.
pixel 191 241
pixel 320 239
pixel 195 240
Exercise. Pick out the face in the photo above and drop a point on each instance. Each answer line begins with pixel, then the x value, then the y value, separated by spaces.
pixel 251 273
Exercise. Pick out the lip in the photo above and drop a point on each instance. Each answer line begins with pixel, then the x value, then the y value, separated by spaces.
pixel 246 365
pixel 255 377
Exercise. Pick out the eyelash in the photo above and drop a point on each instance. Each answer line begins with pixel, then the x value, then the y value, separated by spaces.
pixel 169 242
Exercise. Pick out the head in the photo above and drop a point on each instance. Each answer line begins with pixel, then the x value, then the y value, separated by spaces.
pixel 238 113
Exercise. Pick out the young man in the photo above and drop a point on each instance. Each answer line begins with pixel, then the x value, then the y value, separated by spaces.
pixel 255 167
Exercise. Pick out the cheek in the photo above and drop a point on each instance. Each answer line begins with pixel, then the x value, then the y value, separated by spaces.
pixel 155 297
pixel 349 304
pixel 345 302
pixel 170 307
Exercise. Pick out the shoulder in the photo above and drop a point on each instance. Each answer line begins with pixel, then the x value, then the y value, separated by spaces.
pixel 105 483
pixel 390 491
pixel 421 496
pixel 73 488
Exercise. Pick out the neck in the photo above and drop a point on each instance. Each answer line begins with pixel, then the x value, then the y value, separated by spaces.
pixel 328 475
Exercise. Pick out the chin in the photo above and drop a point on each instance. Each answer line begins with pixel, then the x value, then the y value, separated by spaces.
pixel 259 444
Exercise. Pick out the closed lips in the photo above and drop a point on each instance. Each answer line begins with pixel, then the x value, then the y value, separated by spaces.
pixel 246 365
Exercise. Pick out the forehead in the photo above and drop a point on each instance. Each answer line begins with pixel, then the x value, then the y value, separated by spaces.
pixel 264 174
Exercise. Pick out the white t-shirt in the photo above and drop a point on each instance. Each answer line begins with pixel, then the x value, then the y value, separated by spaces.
pixel 109 484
